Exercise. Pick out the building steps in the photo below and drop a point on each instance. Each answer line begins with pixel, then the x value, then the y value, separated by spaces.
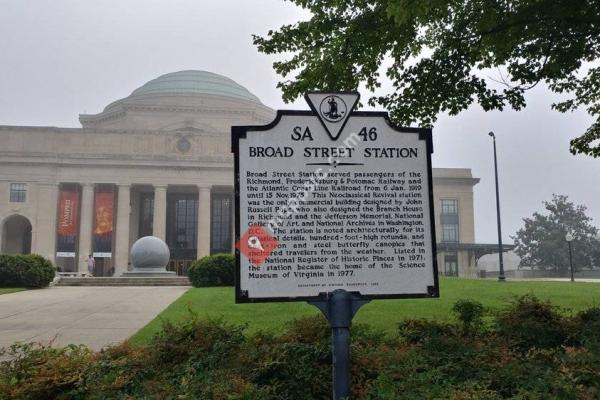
pixel 124 281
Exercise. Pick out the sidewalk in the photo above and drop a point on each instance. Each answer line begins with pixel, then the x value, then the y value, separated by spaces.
pixel 94 316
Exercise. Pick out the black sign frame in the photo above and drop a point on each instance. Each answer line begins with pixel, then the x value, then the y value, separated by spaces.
pixel 241 132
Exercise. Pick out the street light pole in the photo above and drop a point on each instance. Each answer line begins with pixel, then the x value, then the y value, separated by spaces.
pixel 569 238
pixel 501 277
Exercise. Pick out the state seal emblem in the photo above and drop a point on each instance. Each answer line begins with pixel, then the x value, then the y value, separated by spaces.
pixel 333 108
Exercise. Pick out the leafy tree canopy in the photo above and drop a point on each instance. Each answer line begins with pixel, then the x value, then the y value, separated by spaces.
pixel 541 242
pixel 434 53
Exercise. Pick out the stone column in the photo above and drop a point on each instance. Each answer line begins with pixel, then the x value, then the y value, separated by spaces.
pixel 45 224
pixel 85 226
pixel 134 221
pixel 159 224
pixel 122 243
pixel 203 221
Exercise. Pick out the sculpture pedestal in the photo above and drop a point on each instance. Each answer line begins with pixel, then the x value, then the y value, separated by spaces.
pixel 150 272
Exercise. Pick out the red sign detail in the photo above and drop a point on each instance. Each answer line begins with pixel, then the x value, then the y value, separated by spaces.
pixel 68 213
pixel 256 244
pixel 104 212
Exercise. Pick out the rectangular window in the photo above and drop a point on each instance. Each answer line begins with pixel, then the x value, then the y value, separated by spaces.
pixel 449 206
pixel 451 264
pixel 182 224
pixel 449 220
pixel 146 224
pixel 221 220
pixel 17 192
pixel 450 233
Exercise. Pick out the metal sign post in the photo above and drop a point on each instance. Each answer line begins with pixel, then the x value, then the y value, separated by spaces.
pixel 339 308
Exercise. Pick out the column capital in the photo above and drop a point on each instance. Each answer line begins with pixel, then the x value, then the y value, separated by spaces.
pixel 124 185
pixel 160 186
pixel 204 188
pixel 87 184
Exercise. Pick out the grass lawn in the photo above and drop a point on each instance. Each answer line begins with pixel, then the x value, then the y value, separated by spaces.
pixel 381 314
pixel 10 290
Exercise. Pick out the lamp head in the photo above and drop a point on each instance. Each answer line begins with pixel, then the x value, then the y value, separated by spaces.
pixel 569 237
pixel 492 134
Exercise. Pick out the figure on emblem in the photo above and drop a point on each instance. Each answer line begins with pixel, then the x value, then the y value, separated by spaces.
pixel 333 109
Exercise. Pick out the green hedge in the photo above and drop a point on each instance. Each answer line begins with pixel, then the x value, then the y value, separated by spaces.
pixel 25 270
pixel 211 359
pixel 215 270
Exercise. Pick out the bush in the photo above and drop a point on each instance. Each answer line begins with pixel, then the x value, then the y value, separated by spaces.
pixel 215 270
pixel 530 322
pixel 25 270
pixel 470 314
pixel 8 273
pixel 415 331
pixel 34 371
pixel 585 327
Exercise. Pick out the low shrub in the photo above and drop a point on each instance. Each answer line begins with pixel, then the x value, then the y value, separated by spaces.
pixel 9 276
pixel 293 365
pixel 470 314
pixel 530 322
pixel 585 327
pixel 25 270
pixel 43 372
pixel 415 331
pixel 215 270
pixel 211 359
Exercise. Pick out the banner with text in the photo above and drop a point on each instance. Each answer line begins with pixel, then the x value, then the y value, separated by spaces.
pixel 103 226
pixel 68 221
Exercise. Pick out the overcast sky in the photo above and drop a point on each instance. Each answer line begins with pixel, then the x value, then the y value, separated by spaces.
pixel 61 58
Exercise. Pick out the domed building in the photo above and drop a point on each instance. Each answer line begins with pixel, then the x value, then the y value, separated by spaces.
pixel 159 162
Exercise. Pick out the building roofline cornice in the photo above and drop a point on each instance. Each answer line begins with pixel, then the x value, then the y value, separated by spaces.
pixel 87 162
pixel 121 107
pixel 96 130
pixel 455 181
pixel 126 160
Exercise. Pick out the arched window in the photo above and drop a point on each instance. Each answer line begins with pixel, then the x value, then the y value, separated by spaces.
pixel 16 235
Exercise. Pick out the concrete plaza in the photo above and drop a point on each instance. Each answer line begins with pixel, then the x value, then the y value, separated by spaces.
pixel 94 316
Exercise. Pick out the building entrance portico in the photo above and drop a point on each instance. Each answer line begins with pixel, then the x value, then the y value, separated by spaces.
pixel 105 219
pixel 193 220
pixel 16 235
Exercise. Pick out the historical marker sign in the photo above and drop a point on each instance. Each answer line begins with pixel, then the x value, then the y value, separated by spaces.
pixel 333 199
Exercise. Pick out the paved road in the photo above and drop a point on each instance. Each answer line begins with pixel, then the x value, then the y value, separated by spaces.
pixel 94 316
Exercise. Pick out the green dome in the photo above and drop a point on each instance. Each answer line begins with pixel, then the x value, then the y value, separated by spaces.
pixel 194 83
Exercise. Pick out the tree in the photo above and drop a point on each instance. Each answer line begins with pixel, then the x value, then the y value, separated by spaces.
pixel 435 53
pixel 541 242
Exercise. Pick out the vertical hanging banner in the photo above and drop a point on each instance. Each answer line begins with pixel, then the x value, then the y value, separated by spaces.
pixel 330 199
pixel 103 226
pixel 68 220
